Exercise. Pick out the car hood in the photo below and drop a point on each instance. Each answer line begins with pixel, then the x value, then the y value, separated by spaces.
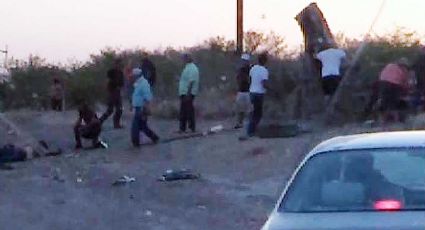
pixel 348 220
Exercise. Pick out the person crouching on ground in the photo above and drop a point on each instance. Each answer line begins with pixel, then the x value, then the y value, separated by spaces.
pixel 88 126
pixel 188 89
pixel 243 103
pixel 393 85
pixel 259 76
pixel 141 99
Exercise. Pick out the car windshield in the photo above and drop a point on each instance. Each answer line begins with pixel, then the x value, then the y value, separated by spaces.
pixel 359 180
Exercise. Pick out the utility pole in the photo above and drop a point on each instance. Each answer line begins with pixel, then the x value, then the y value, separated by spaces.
pixel 5 52
pixel 239 29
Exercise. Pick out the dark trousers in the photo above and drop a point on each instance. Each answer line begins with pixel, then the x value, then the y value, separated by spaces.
pixel 56 104
pixel 140 124
pixel 187 113
pixel 90 131
pixel 257 100
pixel 114 102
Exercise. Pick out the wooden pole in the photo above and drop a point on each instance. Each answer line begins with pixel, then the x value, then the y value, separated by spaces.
pixel 239 29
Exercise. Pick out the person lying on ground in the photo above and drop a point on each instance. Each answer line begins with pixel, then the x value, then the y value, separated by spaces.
pixel 88 126
pixel 11 153
pixel 142 96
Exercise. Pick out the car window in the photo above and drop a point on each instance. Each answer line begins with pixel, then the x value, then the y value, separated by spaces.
pixel 359 180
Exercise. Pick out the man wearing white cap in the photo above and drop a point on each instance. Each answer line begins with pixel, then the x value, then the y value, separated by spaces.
pixel 243 102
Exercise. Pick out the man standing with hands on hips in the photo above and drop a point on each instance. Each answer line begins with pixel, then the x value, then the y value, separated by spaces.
pixel 188 89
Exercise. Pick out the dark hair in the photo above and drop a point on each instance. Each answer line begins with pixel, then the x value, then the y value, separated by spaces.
pixel 56 81
pixel 262 58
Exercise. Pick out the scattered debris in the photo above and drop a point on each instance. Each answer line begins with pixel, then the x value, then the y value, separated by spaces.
pixel 56 175
pixel 124 180
pixel 202 207
pixel 259 151
pixel 184 174
pixel 5 167
pixel 148 213
pixel 216 129
pixel 79 178
pixel 278 131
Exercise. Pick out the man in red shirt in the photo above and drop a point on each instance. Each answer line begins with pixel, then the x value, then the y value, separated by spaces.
pixel 393 85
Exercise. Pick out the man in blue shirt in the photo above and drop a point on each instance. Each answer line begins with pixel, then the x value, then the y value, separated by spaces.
pixel 142 96
pixel 188 89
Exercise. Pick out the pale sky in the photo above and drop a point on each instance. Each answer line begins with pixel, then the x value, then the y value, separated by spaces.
pixel 63 30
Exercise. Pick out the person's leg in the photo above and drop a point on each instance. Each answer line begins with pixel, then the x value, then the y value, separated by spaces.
pixel 183 114
pixel 259 111
pixel 135 127
pixel 191 114
pixel 255 115
pixel 94 133
pixel 118 109
pixel 77 135
pixel 110 108
pixel 149 133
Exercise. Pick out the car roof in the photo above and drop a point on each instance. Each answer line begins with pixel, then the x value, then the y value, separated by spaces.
pixel 404 139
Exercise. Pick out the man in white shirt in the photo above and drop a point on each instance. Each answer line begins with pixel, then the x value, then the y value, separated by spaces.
pixel 331 60
pixel 259 76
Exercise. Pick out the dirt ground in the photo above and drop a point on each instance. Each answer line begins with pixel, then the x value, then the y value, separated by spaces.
pixel 240 181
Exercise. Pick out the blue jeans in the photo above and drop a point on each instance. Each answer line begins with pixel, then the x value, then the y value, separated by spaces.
pixel 257 100
pixel 140 124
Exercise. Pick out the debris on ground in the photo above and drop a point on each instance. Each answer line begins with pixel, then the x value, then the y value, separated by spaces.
pixel 124 180
pixel 148 213
pixel 258 151
pixel 184 174
pixel 278 130
pixel 5 167
pixel 10 153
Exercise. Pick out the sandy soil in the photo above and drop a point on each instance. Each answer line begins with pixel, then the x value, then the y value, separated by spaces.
pixel 240 180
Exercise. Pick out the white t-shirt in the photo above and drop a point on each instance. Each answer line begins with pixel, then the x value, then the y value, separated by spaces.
pixel 258 74
pixel 331 61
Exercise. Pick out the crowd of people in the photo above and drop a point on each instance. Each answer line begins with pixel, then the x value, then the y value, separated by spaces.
pixel 398 84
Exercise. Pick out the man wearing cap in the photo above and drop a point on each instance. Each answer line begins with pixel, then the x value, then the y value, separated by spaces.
pixel 188 89
pixel 142 96
pixel 243 103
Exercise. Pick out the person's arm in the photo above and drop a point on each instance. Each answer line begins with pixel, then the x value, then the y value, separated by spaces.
pixel 189 88
pixel 147 95
pixel 79 120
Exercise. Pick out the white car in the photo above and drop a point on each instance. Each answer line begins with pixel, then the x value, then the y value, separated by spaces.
pixel 361 182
